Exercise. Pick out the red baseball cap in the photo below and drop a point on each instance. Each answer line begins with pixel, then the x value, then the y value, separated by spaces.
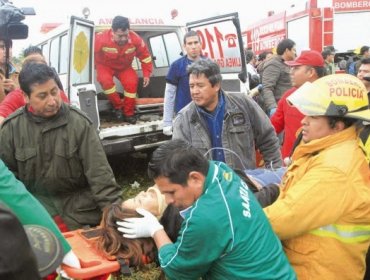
pixel 310 58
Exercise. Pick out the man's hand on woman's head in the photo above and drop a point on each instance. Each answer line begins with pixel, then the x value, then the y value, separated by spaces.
pixel 140 227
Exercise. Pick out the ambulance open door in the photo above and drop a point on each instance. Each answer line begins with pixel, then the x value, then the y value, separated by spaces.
pixel 81 68
pixel 222 42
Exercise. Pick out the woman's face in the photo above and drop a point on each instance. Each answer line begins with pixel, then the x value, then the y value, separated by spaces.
pixel 147 200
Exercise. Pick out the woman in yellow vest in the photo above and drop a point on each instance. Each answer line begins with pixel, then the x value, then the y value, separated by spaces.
pixel 322 214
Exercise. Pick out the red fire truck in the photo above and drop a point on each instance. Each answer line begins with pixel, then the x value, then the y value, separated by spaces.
pixel 342 23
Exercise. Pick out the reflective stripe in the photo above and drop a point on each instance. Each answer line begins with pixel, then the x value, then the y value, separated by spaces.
pixel 130 50
pixel 111 90
pixel 146 60
pixel 109 50
pixel 129 95
pixel 344 233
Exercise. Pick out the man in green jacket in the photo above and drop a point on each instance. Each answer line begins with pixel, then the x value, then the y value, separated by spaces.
pixel 55 151
pixel 224 235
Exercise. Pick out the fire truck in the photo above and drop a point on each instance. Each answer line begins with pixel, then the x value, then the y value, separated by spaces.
pixel 342 23
pixel 69 49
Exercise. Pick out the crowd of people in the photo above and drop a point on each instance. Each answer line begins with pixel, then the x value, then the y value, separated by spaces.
pixel 214 212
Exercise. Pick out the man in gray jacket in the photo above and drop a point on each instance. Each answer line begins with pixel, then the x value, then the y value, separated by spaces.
pixel 225 127
pixel 55 151
pixel 276 75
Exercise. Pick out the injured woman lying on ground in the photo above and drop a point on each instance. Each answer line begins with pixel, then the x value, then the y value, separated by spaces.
pixel 138 253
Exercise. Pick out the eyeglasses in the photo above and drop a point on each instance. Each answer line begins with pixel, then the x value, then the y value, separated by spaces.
pixel 2 46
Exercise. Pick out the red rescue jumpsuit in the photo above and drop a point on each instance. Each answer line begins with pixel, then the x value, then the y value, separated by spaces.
pixel 113 60
pixel 288 119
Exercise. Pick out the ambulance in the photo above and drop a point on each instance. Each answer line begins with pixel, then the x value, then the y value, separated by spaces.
pixel 69 49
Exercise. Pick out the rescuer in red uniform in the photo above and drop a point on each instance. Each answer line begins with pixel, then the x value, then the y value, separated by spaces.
pixel 114 52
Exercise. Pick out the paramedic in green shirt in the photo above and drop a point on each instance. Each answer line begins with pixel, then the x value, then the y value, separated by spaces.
pixel 224 235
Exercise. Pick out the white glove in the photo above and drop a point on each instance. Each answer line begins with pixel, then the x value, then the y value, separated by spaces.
pixel 140 227
pixel 167 130
pixel 71 260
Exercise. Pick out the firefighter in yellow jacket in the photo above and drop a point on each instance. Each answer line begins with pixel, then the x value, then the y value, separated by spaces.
pixel 322 214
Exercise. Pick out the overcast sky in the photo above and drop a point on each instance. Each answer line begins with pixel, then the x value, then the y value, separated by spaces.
pixel 189 10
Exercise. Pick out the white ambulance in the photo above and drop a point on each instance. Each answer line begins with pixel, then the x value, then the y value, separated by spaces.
pixel 69 49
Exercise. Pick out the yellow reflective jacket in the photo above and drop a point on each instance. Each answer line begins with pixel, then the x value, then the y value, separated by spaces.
pixel 322 214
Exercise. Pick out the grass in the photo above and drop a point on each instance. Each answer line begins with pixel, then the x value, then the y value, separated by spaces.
pixel 131 173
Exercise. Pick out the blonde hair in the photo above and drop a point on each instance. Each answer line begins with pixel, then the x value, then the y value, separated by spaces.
pixel 160 199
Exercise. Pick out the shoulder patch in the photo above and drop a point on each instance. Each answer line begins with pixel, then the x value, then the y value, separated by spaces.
pixel 228 176
pixel 14 115
pixel 82 113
